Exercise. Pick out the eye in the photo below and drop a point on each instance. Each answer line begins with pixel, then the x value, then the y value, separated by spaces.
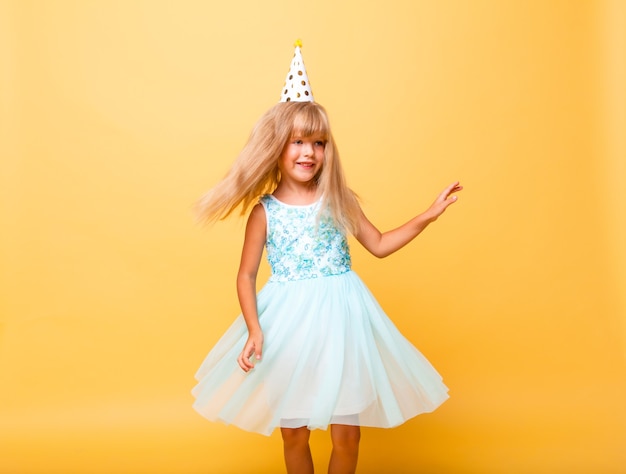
pixel 297 142
pixel 320 143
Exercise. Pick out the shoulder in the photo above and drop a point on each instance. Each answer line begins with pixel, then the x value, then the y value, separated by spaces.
pixel 257 222
pixel 257 212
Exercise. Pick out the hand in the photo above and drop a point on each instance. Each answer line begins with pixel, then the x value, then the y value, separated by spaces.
pixel 443 201
pixel 254 345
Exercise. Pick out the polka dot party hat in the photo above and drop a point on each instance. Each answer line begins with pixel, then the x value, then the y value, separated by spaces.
pixel 297 87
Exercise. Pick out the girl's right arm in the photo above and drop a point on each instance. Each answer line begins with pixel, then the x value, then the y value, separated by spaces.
pixel 382 244
pixel 246 285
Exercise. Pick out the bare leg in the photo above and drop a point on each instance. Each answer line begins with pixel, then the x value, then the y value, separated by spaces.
pixel 298 458
pixel 345 453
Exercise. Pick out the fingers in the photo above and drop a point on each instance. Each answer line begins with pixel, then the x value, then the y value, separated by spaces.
pixel 445 198
pixel 446 195
pixel 452 188
pixel 251 347
pixel 244 363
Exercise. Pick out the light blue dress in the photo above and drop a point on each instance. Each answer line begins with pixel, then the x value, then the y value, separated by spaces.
pixel 330 355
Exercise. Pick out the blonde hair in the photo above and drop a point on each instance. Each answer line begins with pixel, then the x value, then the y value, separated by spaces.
pixel 255 171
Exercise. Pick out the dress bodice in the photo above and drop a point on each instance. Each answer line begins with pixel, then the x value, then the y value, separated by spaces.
pixel 300 245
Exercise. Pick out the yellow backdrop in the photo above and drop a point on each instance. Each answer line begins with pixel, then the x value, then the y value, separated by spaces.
pixel 117 115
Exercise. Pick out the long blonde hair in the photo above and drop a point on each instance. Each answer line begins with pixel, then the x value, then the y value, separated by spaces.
pixel 255 171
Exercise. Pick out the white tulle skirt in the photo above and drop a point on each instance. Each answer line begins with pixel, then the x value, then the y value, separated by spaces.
pixel 330 355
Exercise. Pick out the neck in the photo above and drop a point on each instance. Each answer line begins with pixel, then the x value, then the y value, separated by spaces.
pixel 296 193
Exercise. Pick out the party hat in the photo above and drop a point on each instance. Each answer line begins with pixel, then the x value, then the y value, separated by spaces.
pixel 297 87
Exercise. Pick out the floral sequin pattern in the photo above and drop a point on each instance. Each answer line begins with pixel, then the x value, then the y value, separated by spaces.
pixel 300 245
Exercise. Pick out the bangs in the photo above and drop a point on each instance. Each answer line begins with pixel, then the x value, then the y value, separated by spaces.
pixel 311 121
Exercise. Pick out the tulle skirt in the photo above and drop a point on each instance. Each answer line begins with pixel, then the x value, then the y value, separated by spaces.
pixel 330 356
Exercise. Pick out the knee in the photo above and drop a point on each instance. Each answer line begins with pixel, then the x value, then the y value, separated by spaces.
pixel 295 436
pixel 346 437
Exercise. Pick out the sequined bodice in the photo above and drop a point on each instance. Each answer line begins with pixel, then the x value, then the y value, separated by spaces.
pixel 301 246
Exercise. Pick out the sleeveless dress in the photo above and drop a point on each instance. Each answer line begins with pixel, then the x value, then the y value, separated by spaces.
pixel 330 355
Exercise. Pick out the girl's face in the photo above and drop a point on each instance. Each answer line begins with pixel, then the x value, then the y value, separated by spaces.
pixel 302 158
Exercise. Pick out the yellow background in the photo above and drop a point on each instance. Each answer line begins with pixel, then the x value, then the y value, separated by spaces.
pixel 116 115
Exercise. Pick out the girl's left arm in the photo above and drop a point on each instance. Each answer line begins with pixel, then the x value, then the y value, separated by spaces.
pixel 382 244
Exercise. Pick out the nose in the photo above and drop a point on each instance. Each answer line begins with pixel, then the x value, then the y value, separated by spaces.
pixel 307 148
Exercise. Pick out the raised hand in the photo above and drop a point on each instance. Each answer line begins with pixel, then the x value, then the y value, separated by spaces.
pixel 445 198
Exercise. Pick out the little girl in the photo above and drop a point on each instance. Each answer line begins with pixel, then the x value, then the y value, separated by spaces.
pixel 313 348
